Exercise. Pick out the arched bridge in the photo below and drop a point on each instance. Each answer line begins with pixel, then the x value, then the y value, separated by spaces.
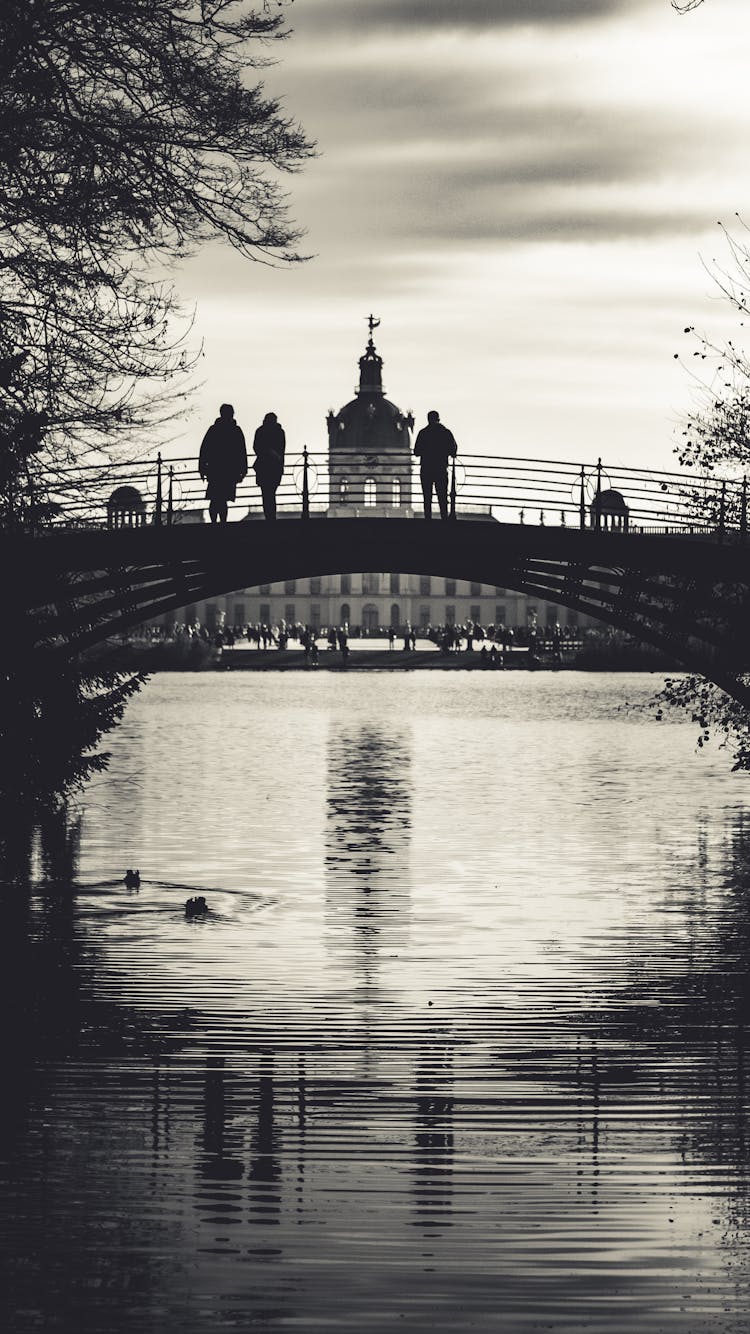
pixel 673 569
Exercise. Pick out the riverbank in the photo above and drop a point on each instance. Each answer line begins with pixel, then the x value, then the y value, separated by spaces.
pixel 195 654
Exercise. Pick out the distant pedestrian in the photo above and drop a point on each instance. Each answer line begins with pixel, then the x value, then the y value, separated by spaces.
pixel 433 446
pixel 222 462
pixel 269 447
pixel 391 637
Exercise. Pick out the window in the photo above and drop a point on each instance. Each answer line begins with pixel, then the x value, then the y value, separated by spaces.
pixel 370 584
pixel 371 491
pixel 265 613
pixel 424 617
pixel 211 615
pixel 475 615
pixel 450 615
pixel 395 583
pixel 343 491
pixel 425 585
pixel 551 616
pixel 315 615
pixel 345 613
pixel 315 586
pixel 501 614
pixel 191 614
pixel 264 590
pixel 290 586
pixel 239 614
pixel 475 590
pixel 573 618
pixel 395 615
pixel 450 588
pixel 289 613
pixel 370 622
pixel 396 492
pixel 346 583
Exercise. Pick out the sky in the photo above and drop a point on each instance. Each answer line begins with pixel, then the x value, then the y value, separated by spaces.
pixel 526 193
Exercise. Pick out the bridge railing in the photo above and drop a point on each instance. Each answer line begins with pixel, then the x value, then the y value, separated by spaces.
pixel 508 489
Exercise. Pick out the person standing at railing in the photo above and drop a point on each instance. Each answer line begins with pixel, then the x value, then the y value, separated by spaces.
pixel 269 447
pixel 222 462
pixel 433 447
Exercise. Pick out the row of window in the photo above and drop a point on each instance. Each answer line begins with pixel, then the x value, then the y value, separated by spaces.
pixel 390 492
pixel 370 615
pixel 371 584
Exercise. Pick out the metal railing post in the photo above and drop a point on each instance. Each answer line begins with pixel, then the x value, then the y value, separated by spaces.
pixel 452 510
pixel 582 501
pixel 305 486
pixel 723 512
pixel 158 505
pixel 743 510
pixel 170 507
pixel 598 515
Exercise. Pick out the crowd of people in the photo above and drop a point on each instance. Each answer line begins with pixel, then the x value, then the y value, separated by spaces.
pixel 494 643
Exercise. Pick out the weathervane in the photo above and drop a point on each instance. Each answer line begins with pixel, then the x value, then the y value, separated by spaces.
pixel 372 324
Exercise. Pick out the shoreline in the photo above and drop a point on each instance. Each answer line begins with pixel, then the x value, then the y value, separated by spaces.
pixel 194 655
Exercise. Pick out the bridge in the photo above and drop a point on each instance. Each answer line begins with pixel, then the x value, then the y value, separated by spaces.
pixel 663 556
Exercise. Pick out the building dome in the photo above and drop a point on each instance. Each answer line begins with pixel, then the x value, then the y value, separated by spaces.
pixel 126 508
pixel 369 421
pixel 613 502
pixel 609 510
pixel 369 447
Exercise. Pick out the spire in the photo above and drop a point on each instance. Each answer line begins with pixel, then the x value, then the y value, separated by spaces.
pixel 370 365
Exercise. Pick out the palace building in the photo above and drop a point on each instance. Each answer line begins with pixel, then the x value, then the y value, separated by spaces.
pixel 372 470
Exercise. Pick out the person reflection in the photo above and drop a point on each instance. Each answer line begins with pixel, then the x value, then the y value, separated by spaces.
pixel 218 1163
pixel 265 1164
pixel 432 1170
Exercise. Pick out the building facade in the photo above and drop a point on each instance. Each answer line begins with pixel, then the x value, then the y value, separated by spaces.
pixel 371 470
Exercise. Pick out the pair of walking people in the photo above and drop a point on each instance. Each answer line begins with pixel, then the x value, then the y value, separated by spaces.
pixel 223 462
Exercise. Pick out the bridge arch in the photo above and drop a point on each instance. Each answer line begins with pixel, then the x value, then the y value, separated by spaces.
pixel 684 594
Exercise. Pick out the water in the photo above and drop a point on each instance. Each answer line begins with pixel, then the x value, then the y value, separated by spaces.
pixel 460 1045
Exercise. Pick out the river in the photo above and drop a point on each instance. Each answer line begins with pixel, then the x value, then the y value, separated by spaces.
pixel 460 1044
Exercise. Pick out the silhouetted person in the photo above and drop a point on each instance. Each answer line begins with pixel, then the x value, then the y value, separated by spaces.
pixel 269 447
pixel 222 462
pixel 433 446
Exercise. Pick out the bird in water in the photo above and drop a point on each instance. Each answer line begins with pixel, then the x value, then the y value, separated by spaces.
pixel 196 907
pixel 132 879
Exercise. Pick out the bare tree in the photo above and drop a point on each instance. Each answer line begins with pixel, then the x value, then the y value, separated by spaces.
pixel 715 442
pixel 133 131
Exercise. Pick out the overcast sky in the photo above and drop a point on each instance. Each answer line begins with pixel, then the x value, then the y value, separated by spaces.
pixel 525 192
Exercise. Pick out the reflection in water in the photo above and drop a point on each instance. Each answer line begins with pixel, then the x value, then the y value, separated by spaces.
pixel 368 828
pixel 433 1138
pixel 222 1147
pixel 438 1085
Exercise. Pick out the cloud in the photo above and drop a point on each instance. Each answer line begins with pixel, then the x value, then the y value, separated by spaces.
pixel 521 191
pixel 345 16
pixel 510 137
